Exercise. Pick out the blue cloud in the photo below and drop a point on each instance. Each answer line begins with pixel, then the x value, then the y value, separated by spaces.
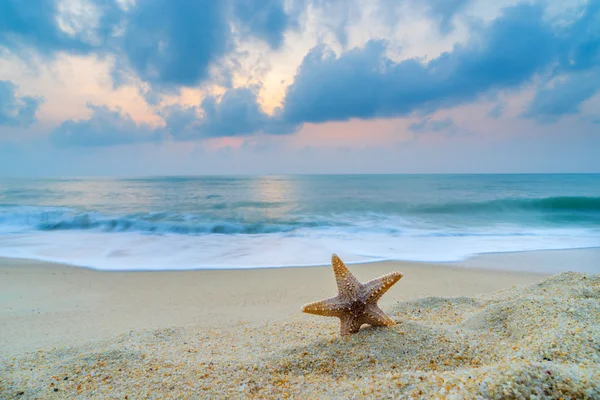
pixel 497 110
pixel 166 43
pixel 34 24
pixel 336 16
pixel 105 127
pixel 432 125
pixel 564 97
pixel 237 113
pixel 444 11
pixel 265 19
pixel 174 42
pixel 364 83
pixel 15 110
pixel 171 44
pixel 581 40
pixel 577 72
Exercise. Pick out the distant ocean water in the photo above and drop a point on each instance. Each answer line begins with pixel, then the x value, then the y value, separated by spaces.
pixel 271 221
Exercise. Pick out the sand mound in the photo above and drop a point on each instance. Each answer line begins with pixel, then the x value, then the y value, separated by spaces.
pixel 542 341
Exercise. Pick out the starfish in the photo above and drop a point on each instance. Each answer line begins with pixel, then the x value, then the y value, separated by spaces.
pixel 356 303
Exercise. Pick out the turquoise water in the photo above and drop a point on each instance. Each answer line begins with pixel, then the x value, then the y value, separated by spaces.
pixel 223 222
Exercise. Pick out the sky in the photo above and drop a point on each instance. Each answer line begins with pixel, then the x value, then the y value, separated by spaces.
pixel 177 87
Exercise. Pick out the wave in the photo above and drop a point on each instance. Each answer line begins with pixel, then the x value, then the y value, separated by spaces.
pixel 253 217
pixel 177 240
pixel 84 222
pixel 577 204
pixel 19 219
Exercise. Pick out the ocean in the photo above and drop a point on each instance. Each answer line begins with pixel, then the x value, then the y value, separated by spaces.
pixel 174 223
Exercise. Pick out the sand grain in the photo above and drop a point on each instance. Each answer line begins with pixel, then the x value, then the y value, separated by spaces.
pixel 540 341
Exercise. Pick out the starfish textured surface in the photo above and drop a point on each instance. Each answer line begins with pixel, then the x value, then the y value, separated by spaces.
pixel 356 303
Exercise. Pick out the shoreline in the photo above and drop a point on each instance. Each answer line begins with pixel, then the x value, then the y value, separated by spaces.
pixel 485 260
pixel 464 330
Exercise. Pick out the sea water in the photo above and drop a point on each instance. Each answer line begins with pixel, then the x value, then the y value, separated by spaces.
pixel 163 223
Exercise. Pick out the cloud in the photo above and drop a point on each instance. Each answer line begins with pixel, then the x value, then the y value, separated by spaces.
pixel 50 26
pixel 105 127
pixel 497 110
pixel 441 12
pixel 14 110
pixel 577 74
pixel 169 44
pixel 173 42
pixel 360 83
pixel 340 17
pixel 265 19
pixel 564 97
pixel 34 23
pixel 365 83
pixel 444 11
pixel 236 113
pixel 432 125
pixel 582 40
pixel 337 16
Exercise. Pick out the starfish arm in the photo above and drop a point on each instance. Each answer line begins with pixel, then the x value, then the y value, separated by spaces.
pixel 376 317
pixel 349 324
pixel 377 287
pixel 348 285
pixel 332 307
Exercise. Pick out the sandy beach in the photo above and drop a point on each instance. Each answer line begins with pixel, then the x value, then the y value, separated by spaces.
pixel 175 177
pixel 463 330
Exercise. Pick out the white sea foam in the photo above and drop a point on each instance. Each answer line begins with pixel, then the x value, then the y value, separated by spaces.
pixel 134 251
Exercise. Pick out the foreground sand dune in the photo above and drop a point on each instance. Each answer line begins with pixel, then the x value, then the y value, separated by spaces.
pixel 537 341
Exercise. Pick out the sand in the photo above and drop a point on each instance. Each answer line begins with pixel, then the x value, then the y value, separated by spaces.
pixel 461 333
